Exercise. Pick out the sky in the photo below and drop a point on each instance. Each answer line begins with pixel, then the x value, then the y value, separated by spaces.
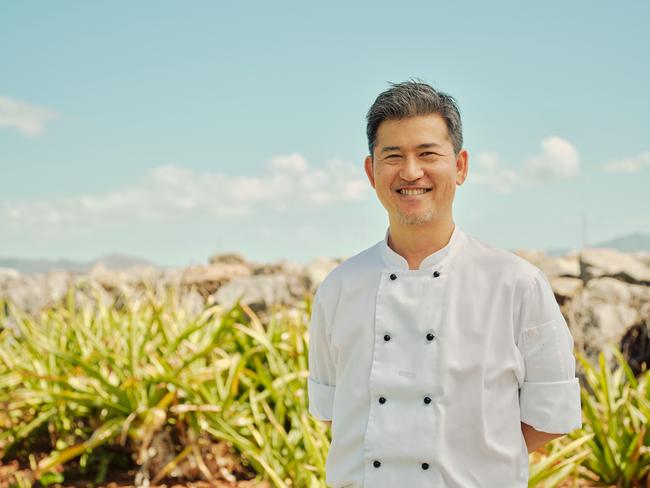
pixel 175 131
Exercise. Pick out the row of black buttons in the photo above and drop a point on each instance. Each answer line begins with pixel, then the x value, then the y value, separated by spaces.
pixel 430 337
pixel 427 400
pixel 377 463
pixel 393 276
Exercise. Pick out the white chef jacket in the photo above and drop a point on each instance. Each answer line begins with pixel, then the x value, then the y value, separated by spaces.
pixel 426 374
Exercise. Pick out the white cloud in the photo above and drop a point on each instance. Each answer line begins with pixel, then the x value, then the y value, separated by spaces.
pixel 494 175
pixel 175 192
pixel 558 160
pixel 28 119
pixel 293 162
pixel 632 164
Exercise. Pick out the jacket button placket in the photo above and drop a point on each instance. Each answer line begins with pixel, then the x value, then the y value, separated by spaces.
pixel 430 336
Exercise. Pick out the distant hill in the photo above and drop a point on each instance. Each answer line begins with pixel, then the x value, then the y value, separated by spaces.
pixel 111 261
pixel 627 243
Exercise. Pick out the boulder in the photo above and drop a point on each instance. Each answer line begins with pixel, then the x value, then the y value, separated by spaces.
pixel 32 293
pixel 207 279
pixel 568 266
pixel 598 262
pixel 227 258
pixel 317 269
pixel 565 288
pixel 262 291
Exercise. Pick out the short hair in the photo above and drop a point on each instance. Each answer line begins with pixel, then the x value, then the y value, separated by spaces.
pixel 411 98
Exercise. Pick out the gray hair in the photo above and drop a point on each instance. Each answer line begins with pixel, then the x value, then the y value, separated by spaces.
pixel 409 99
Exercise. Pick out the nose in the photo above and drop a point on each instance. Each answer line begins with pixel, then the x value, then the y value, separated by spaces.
pixel 411 169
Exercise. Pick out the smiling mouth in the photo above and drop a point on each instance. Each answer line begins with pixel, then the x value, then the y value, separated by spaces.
pixel 417 192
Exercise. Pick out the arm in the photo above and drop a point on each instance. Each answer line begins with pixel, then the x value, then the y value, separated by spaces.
pixel 321 361
pixel 549 395
pixel 536 439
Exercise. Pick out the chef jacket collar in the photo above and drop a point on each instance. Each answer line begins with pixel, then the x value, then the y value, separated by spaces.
pixel 435 260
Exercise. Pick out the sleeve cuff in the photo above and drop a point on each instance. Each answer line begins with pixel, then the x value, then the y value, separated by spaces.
pixel 321 399
pixel 551 407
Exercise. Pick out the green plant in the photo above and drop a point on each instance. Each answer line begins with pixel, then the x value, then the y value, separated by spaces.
pixel 611 448
pixel 91 375
pixel 561 460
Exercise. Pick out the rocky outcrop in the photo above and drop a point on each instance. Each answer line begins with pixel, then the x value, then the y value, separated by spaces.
pixel 224 280
pixel 595 263
pixel 603 294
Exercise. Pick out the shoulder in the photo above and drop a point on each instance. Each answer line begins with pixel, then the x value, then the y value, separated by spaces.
pixel 500 263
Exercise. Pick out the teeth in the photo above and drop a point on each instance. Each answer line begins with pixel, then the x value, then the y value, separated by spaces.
pixel 413 192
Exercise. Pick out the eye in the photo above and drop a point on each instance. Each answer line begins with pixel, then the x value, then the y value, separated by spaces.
pixel 392 159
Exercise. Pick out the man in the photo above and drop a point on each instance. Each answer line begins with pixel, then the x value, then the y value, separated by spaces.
pixel 441 360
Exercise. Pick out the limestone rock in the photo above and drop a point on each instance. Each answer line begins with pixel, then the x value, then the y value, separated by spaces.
pixel 599 262
pixel 565 288
pixel 227 258
pixel 317 269
pixel 568 266
pixel 261 291
pixel 207 279
pixel 31 293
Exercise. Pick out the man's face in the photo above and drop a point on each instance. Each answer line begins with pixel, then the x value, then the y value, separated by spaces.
pixel 416 152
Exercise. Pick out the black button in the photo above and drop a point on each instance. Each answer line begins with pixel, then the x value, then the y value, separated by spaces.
pixel 427 399
pixel 382 400
pixel 387 337
pixel 393 276
pixel 376 464
pixel 430 336
pixel 425 465
pixel 436 274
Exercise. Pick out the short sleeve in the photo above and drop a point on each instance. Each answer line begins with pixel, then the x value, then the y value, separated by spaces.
pixel 549 398
pixel 322 370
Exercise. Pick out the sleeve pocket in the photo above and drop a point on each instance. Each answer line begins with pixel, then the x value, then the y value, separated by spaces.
pixel 543 356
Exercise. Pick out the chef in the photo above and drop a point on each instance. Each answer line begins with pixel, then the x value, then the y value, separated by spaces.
pixel 438 360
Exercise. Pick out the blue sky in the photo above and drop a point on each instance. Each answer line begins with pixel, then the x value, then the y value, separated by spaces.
pixel 175 131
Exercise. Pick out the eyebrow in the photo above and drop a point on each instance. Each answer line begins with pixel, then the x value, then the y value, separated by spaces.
pixel 419 146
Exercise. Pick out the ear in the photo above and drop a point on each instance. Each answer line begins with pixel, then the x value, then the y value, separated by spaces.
pixel 462 166
pixel 369 170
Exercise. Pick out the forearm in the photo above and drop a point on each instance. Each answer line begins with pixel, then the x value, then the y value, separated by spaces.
pixel 534 438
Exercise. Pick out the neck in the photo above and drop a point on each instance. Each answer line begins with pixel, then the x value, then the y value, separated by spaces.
pixel 416 242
